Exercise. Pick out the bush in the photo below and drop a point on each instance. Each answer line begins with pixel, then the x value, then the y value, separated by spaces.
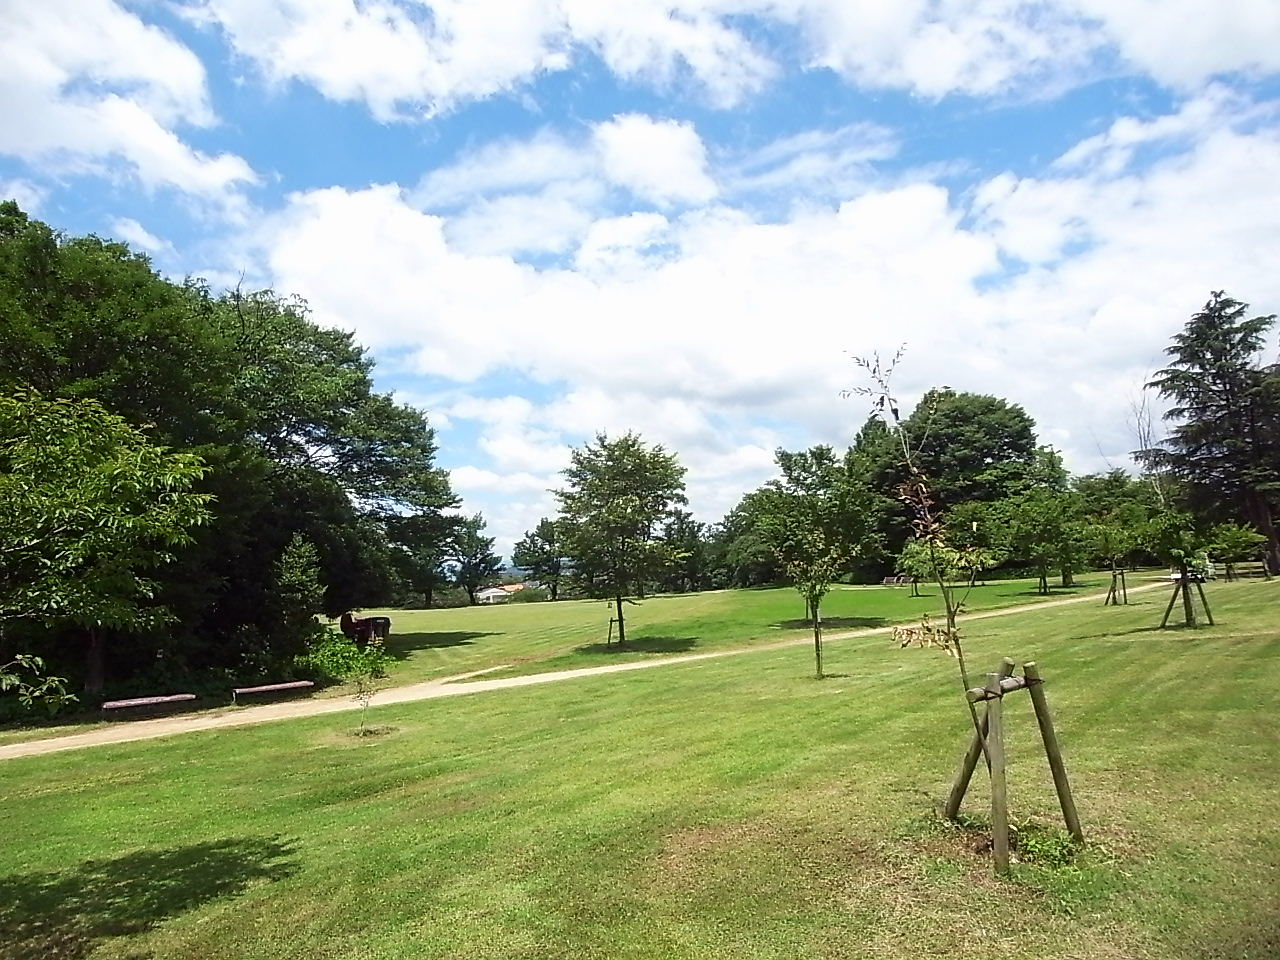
pixel 531 595
pixel 334 658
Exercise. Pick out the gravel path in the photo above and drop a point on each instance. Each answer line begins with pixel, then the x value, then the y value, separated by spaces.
pixel 128 731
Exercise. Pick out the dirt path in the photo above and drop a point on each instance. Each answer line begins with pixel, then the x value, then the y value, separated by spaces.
pixel 126 732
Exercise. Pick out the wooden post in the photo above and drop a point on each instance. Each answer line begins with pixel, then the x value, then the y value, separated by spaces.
pixel 1172 600
pixel 1053 751
pixel 951 809
pixel 1208 615
pixel 999 793
pixel 1124 588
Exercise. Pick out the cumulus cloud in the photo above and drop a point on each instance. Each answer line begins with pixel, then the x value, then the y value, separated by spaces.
pixel 87 86
pixel 136 235
pixel 414 57
pixel 661 161
pixel 723 335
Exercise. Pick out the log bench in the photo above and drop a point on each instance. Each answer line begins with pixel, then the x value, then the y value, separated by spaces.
pixel 140 703
pixel 237 692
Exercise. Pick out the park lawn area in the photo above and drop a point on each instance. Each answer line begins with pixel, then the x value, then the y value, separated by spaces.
pixel 725 808
pixel 523 638
pixel 536 637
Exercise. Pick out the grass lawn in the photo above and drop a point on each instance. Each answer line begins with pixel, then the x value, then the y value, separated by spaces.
pixel 721 809
pixel 533 637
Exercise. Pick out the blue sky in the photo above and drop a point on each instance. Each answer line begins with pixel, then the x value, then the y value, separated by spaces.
pixel 552 217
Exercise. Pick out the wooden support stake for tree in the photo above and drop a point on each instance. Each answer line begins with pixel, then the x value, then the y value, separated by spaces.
pixel 1053 751
pixel 1172 600
pixel 1124 588
pixel 1208 615
pixel 999 793
pixel 951 809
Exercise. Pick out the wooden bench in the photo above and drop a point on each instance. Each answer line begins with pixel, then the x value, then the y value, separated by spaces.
pixel 146 702
pixel 897 581
pixel 271 688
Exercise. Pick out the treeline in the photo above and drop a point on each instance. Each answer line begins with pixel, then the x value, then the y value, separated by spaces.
pixel 1211 488
pixel 188 478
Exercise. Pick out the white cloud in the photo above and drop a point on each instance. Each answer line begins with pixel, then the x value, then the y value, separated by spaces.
pixel 723 336
pixel 658 160
pixel 29 196
pixel 87 86
pixel 136 235
pixel 406 57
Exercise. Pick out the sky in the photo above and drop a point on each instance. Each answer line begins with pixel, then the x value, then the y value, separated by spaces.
pixel 550 218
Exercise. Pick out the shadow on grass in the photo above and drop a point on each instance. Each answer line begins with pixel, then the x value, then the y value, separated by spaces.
pixel 68 914
pixel 832 623
pixel 402 644
pixel 643 645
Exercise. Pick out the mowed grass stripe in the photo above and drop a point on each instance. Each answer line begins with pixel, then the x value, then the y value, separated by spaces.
pixel 724 808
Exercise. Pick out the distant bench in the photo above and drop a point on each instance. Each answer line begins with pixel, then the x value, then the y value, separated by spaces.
pixel 237 692
pixel 140 702
pixel 897 581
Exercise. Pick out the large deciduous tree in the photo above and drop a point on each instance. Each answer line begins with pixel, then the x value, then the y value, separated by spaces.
pixel 617 492
pixel 540 554
pixel 88 507
pixel 283 413
pixel 475 565
pixel 1224 447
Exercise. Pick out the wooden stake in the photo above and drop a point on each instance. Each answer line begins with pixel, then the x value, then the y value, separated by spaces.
pixel 1172 600
pixel 1124 588
pixel 1200 588
pixel 999 793
pixel 951 809
pixel 1053 751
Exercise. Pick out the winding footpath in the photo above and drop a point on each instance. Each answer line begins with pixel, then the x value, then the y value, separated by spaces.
pixel 128 731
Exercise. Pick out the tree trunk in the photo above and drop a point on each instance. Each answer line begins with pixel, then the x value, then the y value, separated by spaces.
pixel 817 639
pixel 622 625
pixel 429 594
pixel 554 587
pixel 1043 586
pixel 1188 611
pixel 96 670
pixel 1067 579
pixel 471 594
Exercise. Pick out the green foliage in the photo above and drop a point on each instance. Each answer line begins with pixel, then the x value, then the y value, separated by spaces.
pixel 24 676
pixel 87 505
pixel 539 554
pixel 1235 542
pixel 282 413
pixel 1224 447
pixel 475 565
pixel 531 595
pixel 334 658
pixel 816 521
pixel 616 494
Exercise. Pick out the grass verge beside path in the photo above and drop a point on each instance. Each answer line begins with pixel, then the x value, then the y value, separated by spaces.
pixel 727 808
pixel 535 637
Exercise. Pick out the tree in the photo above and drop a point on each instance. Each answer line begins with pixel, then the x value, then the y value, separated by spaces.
pixel 617 492
pixel 1175 537
pixel 539 554
pixel 87 507
pixel 282 412
pixel 1236 543
pixel 816 520
pixel 423 543
pixel 1043 531
pixel 686 546
pixel 972 446
pixel 1224 448
pixel 475 565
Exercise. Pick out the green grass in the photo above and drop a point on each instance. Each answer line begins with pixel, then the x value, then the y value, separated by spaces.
pixel 720 809
pixel 535 637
